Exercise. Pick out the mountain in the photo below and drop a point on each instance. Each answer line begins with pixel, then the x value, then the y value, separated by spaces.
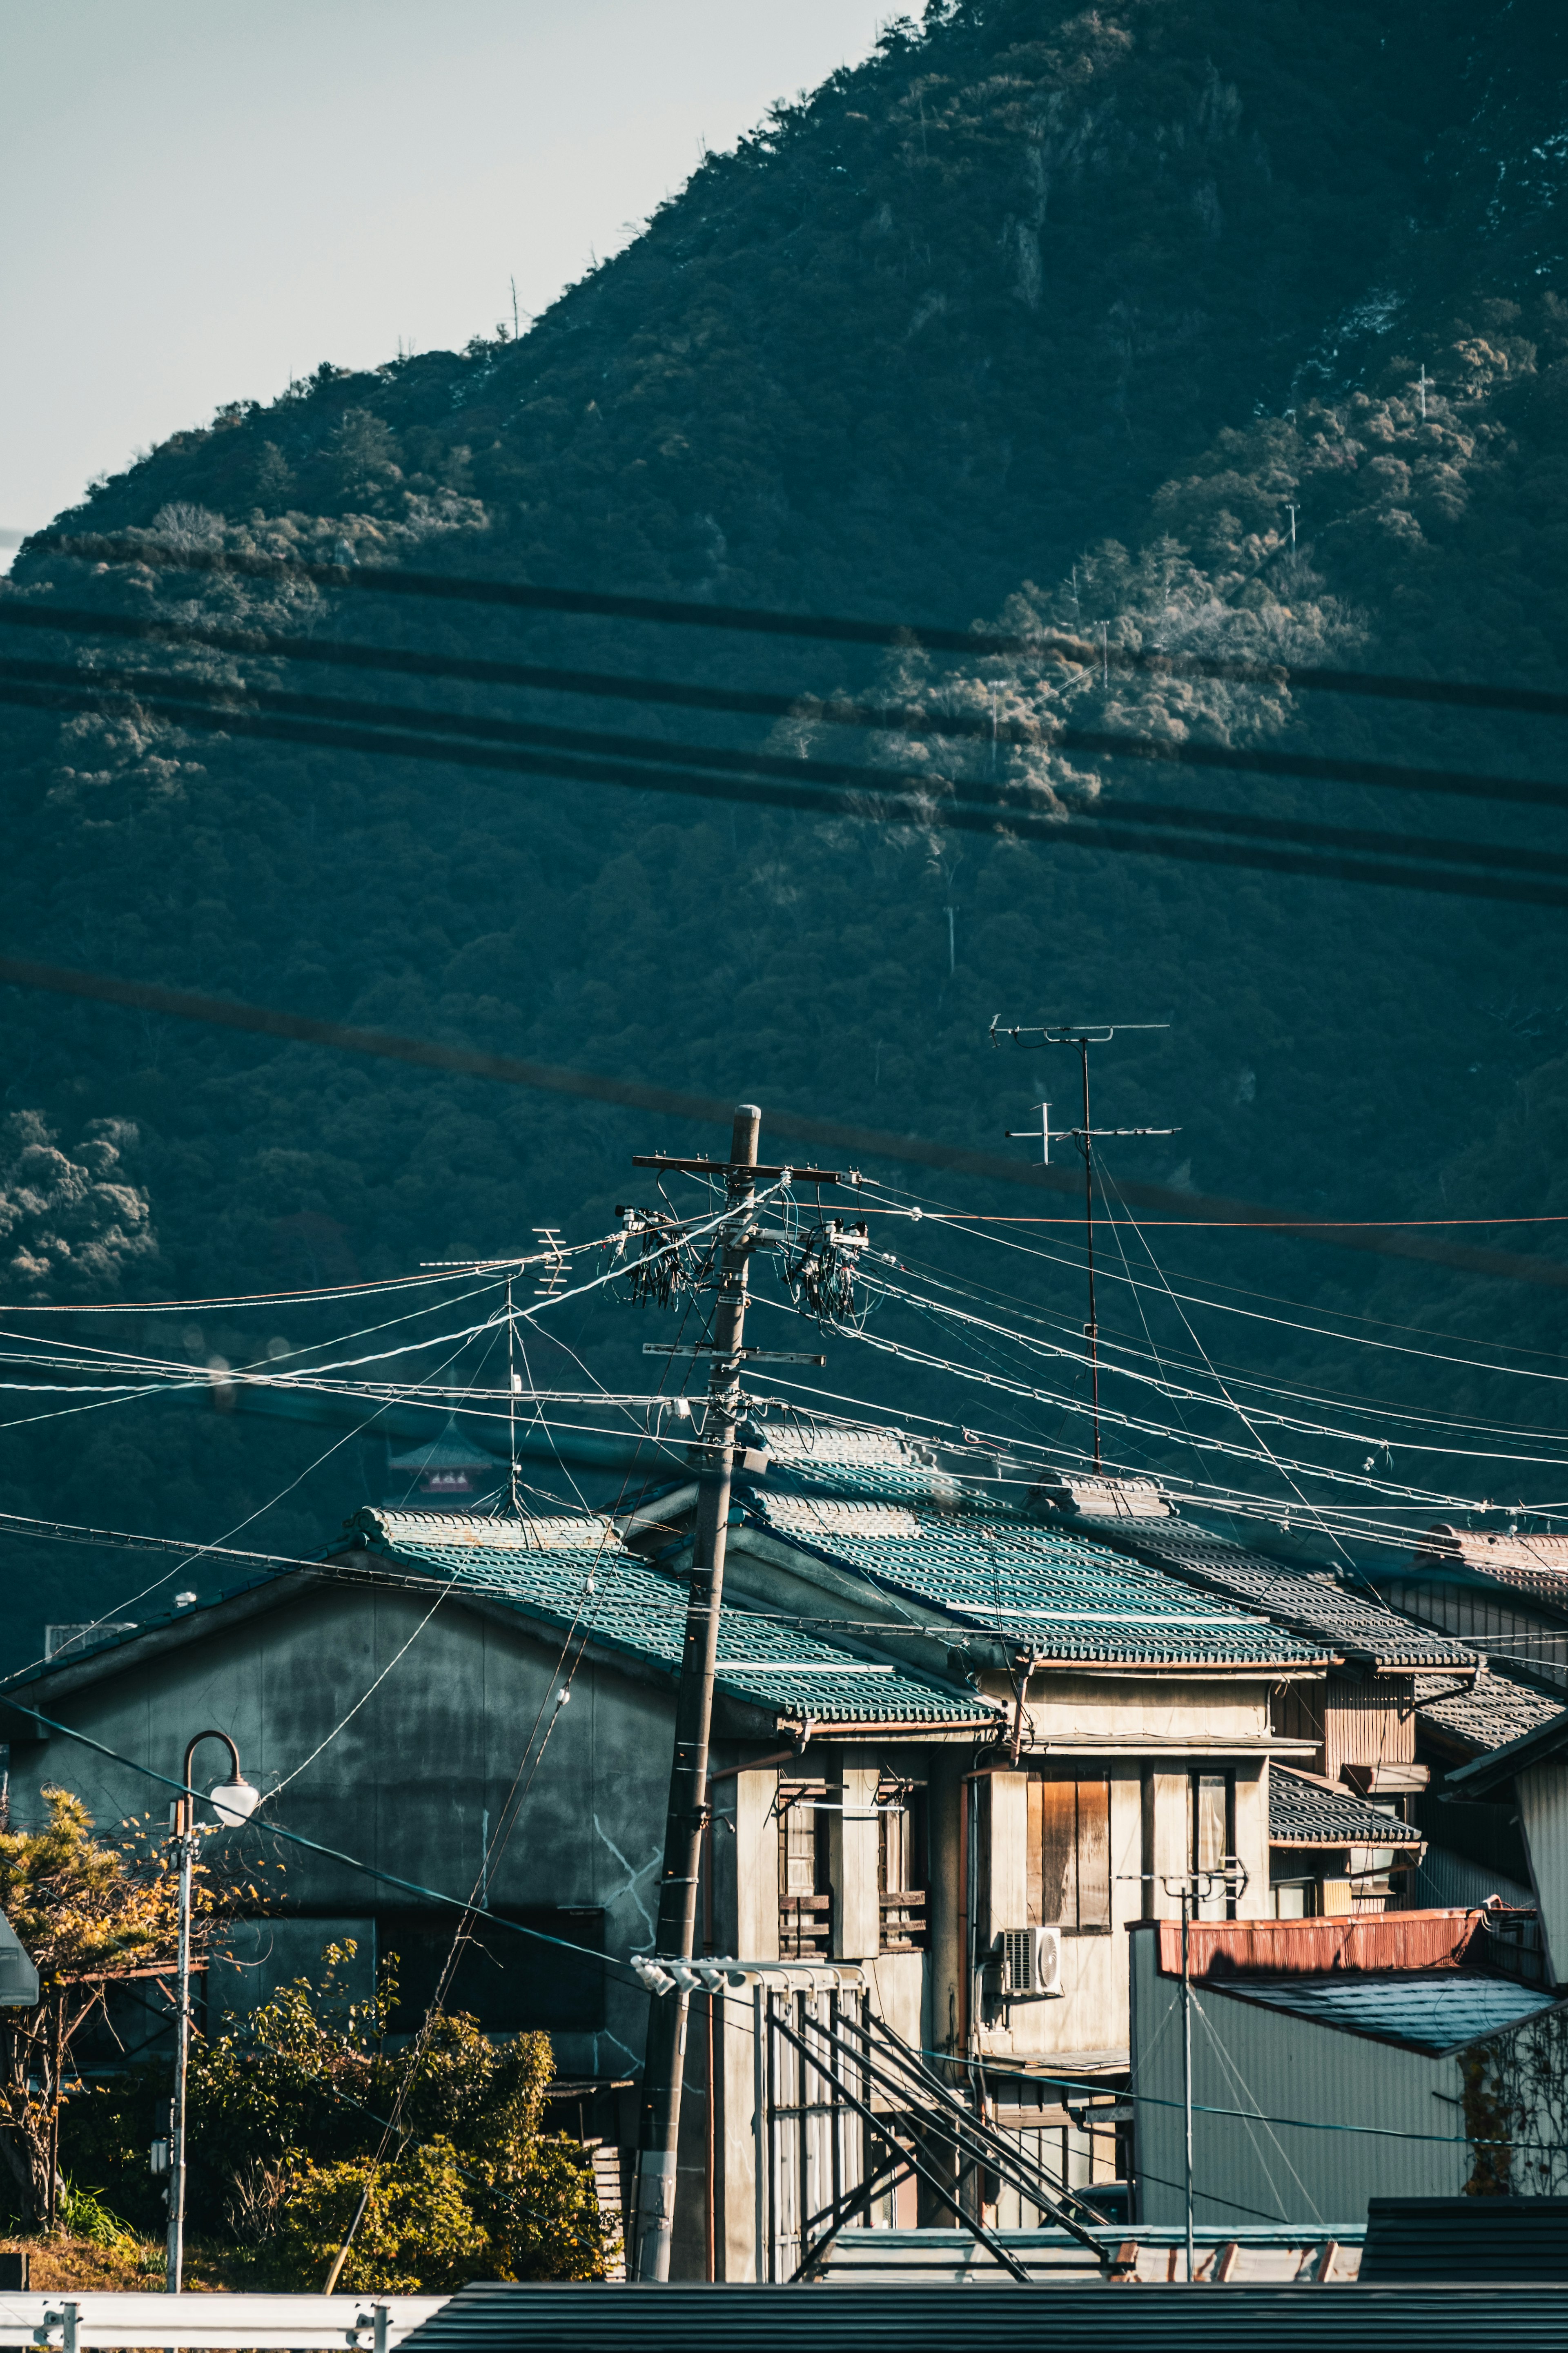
pixel 1235 330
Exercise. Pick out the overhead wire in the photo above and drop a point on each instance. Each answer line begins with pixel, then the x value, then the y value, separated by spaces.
pixel 941 1214
pixel 793 1126
pixel 1337 854
pixel 153 689
pixel 903 636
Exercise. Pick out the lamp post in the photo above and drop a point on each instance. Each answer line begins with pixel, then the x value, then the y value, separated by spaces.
pixel 233 1801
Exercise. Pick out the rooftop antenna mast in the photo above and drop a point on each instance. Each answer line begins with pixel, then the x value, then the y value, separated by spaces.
pixel 1083 1035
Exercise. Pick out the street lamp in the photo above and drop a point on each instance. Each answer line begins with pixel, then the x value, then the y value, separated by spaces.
pixel 233 1801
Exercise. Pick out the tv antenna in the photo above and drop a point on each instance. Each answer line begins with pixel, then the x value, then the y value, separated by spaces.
pixel 1083 1035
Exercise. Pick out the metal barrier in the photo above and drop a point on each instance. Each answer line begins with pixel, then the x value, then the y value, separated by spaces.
pixel 268 2324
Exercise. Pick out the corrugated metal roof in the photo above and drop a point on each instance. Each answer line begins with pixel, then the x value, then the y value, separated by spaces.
pixel 1316 1608
pixel 1300 2318
pixel 1054 1591
pixel 1311 1948
pixel 1465 2238
pixel 544 1565
pixel 1302 1812
pixel 1498 1707
pixel 1422 2009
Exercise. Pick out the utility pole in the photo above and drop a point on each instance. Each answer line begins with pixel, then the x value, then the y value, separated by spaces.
pixel 653 2223
pixel 1083 1035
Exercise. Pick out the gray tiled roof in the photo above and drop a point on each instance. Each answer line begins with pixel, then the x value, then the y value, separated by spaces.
pixel 988 1566
pixel 1427 2010
pixel 1302 1812
pixel 1321 1611
pixel 1500 1708
pixel 545 1565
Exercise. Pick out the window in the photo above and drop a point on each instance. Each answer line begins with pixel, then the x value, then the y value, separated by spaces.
pixel 509 1982
pixel 805 1898
pixel 1069 1854
pixel 901 1867
pixel 1211 1837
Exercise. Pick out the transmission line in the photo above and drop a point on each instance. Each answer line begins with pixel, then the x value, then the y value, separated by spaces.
pixel 869 1143
pixel 1325 853
pixel 931 638
pixel 896 719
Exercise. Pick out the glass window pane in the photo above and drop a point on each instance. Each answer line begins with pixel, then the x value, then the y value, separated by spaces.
pixel 1208 1821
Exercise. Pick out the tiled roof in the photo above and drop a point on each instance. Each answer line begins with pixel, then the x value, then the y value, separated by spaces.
pixel 1321 1611
pixel 1425 2010
pixel 1500 1708
pixel 1492 1550
pixel 544 1567
pixel 1302 1812
pixel 1059 1594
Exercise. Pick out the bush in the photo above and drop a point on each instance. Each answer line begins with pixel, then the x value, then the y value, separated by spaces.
pixel 419 2230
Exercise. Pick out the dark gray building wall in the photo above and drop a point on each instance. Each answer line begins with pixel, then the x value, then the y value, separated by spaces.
pixel 406 1784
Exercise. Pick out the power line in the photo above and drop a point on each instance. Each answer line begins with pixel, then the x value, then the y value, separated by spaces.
pixel 1116 827
pixel 897 719
pixel 869 1143
pixel 931 638
pixel 168 692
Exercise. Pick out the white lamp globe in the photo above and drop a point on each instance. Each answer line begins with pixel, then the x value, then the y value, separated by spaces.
pixel 234 1801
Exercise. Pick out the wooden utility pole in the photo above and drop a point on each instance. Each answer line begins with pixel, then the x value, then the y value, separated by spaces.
pixel 653 2220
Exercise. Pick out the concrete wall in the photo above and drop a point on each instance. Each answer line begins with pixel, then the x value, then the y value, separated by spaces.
pixel 1253 2173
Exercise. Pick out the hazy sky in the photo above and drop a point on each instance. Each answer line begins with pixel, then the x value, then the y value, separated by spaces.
pixel 201 197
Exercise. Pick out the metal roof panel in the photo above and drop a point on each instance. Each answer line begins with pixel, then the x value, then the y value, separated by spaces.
pixel 1425 2010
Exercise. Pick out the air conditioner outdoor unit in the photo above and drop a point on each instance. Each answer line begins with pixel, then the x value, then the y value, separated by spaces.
pixel 1031 1964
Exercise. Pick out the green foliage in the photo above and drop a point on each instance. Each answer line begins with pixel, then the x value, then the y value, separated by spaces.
pixel 289 2109
pixel 84 2215
pixel 294 2076
pixel 419 2231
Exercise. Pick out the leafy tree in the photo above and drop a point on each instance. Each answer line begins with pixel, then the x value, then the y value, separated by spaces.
pixel 91 1914
pixel 292 2116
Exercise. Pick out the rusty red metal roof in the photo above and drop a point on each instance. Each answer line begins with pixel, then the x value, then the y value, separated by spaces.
pixel 1366 1940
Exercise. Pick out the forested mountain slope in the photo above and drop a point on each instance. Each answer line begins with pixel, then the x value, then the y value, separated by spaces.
pixel 1233 328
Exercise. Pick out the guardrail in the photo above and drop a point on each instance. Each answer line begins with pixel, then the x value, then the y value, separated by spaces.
pixel 268 2324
